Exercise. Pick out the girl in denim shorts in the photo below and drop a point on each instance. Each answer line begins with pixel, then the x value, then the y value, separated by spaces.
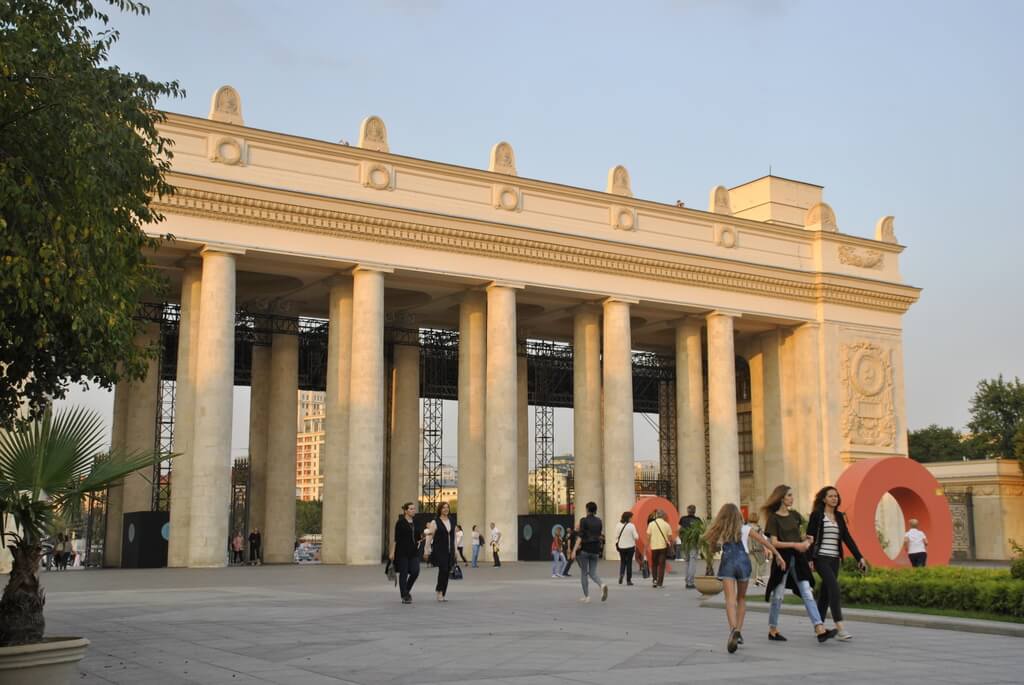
pixel 729 531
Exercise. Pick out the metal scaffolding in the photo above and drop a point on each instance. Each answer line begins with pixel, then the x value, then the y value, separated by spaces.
pixel 549 383
pixel 667 438
pixel 439 380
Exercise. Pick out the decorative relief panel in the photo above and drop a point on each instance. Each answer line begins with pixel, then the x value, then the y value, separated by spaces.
pixel 719 203
pixel 226 150
pixel 618 181
pixel 622 218
pixel 226 106
pixel 506 197
pixel 884 230
pixel 373 134
pixel 503 159
pixel 867 259
pixel 868 411
pixel 726 236
pixel 377 176
pixel 820 217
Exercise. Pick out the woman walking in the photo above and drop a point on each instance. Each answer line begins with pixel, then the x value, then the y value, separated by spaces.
pixel 757 553
pixel 237 545
pixel 827 524
pixel 476 539
pixel 658 533
pixel 458 543
pixel 729 531
pixel 441 532
pixel 558 561
pixel 625 543
pixel 782 525
pixel 405 551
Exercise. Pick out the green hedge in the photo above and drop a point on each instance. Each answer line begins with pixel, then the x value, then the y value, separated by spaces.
pixel 941 587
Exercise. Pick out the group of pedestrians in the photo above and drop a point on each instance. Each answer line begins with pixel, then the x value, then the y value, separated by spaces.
pixel 255 548
pixel 795 554
pixel 440 543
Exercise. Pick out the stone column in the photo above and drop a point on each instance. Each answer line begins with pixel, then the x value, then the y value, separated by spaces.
pixel 691 473
pixel 334 457
pixel 184 405
pixel 724 442
pixel 586 410
pixel 259 420
pixel 140 428
pixel 619 487
pixel 214 390
pixel 809 407
pixel 115 493
pixel 523 436
pixel 472 400
pixel 279 510
pixel 405 431
pixel 773 447
pixel 366 418
pixel 502 488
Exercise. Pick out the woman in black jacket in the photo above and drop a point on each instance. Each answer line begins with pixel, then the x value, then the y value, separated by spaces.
pixel 828 526
pixel 441 532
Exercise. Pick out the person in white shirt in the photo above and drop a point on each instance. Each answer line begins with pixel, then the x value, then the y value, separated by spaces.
pixel 458 543
pixel 916 544
pixel 625 542
pixel 495 543
pixel 477 540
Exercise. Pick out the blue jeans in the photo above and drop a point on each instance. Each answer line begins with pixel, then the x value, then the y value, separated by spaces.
pixel 476 555
pixel 692 557
pixel 805 593
pixel 557 562
pixel 588 567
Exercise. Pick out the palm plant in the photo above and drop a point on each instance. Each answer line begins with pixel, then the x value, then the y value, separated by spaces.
pixel 46 469
pixel 693 538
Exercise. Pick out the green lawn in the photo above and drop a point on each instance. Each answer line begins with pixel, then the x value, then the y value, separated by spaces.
pixel 953 613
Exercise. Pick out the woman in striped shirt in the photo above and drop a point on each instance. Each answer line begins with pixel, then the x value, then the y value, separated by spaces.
pixel 828 526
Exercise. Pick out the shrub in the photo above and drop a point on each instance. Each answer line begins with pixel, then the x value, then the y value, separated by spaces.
pixel 1017 568
pixel 941 587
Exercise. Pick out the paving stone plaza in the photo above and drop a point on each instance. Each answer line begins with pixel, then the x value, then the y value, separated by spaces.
pixel 313 625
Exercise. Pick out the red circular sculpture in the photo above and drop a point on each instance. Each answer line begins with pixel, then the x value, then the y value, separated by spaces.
pixel 916 491
pixel 642 510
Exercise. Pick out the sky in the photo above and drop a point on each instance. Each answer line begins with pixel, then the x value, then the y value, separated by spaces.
pixel 905 108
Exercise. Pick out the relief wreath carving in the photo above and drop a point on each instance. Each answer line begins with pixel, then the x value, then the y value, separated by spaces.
pixel 868 412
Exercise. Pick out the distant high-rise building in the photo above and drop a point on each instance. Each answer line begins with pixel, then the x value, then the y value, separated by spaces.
pixel 309 479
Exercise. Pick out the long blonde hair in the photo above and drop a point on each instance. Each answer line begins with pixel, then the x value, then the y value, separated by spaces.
pixel 727 525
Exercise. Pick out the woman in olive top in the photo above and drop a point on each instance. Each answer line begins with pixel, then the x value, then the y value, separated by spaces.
pixel 442 548
pixel 827 524
pixel 782 525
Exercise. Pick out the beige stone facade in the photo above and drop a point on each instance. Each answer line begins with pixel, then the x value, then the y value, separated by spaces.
pixel 363 236
pixel 987 499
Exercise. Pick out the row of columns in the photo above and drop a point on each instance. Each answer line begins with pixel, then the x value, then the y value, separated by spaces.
pixel 492 418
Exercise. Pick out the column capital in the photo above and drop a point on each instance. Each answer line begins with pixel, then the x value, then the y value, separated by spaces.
pixel 807 325
pixel 731 313
pixel 340 278
pixel 221 248
pixel 622 300
pixel 505 284
pixel 373 268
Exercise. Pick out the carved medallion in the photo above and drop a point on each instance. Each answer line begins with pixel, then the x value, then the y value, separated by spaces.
pixel 226 106
pixel 618 181
pixel 867 259
pixel 373 135
pixel 719 203
pixel 820 217
pixel 868 410
pixel 503 159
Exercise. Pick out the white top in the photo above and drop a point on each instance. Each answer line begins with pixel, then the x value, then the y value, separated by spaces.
pixel 745 537
pixel 626 535
pixel 458 538
pixel 829 538
pixel 477 537
pixel 916 541
pixel 494 535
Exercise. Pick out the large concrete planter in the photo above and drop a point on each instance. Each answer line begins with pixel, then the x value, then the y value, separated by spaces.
pixel 52 661
pixel 707 585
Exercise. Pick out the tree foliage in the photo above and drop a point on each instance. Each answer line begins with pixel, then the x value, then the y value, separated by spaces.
pixel 308 517
pixel 938 443
pixel 80 161
pixel 997 415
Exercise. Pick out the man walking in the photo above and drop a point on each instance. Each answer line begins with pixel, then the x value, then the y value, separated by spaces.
pixel 916 544
pixel 495 544
pixel 691 554
pixel 588 551
pixel 658 534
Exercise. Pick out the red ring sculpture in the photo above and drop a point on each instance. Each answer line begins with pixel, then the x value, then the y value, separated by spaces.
pixel 916 491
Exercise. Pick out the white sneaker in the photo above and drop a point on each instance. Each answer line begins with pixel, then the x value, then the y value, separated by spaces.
pixel 585 600
pixel 553 575
pixel 843 635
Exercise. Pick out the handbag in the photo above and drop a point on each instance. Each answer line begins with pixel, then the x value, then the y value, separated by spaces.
pixel 645 569
pixel 389 571
pixel 456 572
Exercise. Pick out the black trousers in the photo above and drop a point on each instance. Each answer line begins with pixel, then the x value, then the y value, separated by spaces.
pixel 444 566
pixel 658 559
pixel 239 556
pixel 828 595
pixel 462 555
pixel 497 559
pixel 626 563
pixel 408 571
pixel 918 559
